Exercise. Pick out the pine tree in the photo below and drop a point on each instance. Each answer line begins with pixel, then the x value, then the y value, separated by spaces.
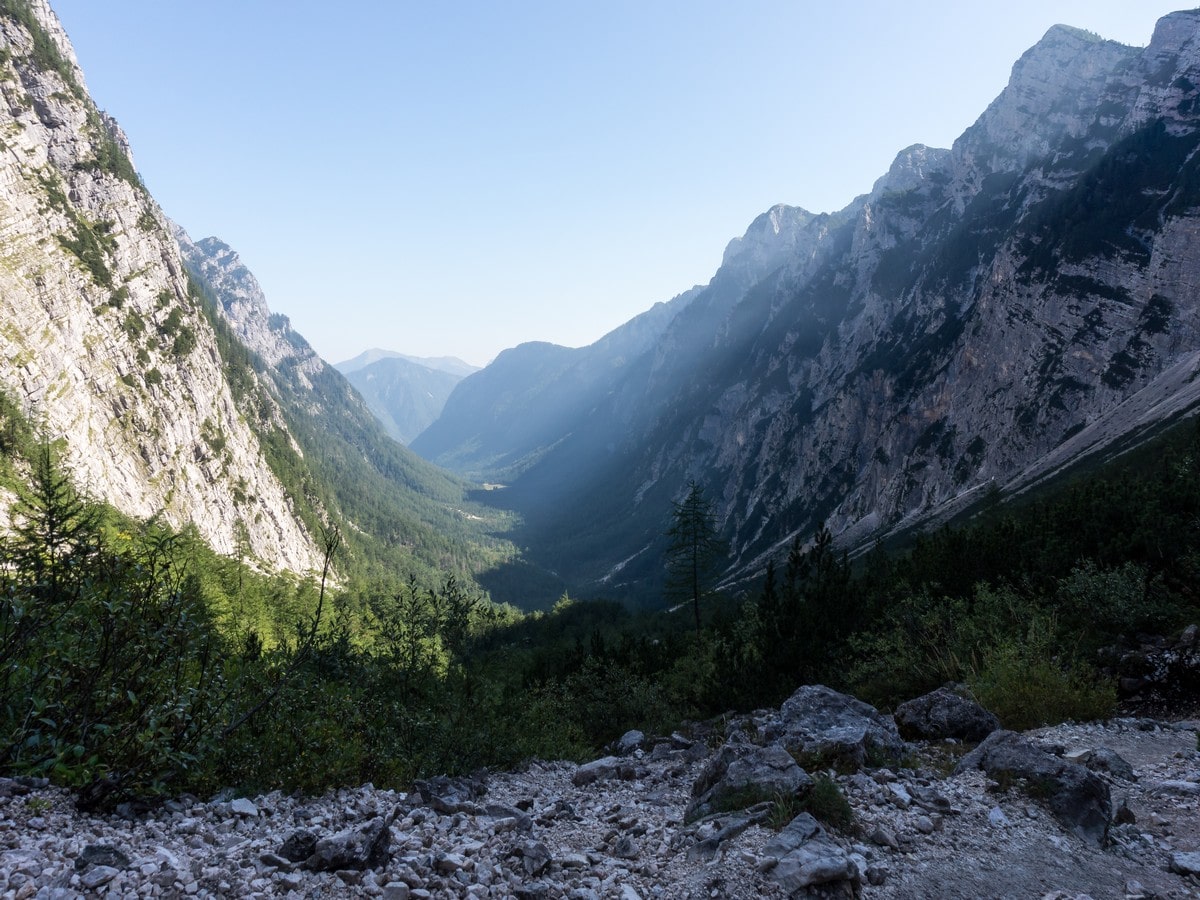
pixel 55 528
pixel 695 551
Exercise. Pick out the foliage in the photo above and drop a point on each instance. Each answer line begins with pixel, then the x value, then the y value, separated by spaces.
pixel 111 677
pixel 91 244
pixel 826 803
pixel 139 661
pixel 1027 684
pixel 108 156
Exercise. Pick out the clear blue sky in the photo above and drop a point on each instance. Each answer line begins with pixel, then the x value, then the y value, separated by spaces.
pixel 459 177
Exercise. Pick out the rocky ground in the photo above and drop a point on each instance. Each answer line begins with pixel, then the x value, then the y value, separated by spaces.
pixel 625 827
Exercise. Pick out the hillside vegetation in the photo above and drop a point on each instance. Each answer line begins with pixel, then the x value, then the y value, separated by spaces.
pixel 143 663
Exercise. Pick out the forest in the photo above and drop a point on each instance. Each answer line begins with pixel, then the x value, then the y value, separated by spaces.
pixel 138 664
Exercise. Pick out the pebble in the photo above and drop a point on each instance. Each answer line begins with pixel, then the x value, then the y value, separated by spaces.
pixel 552 837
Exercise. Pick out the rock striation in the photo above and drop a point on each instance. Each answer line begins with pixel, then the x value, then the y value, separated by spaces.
pixel 983 316
pixel 103 343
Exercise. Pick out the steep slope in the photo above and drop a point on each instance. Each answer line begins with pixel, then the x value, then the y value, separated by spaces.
pixel 954 326
pixel 405 396
pixel 399 513
pixel 102 343
pixel 176 391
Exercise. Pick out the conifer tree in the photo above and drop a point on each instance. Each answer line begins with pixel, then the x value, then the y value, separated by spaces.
pixel 695 551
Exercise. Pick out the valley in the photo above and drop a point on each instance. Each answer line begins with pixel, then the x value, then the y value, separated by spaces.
pixel 946 435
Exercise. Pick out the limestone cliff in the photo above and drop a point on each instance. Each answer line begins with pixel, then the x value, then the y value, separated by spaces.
pixel 101 339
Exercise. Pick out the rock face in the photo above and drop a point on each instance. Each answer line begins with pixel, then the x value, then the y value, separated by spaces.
pixel 982 316
pixel 102 341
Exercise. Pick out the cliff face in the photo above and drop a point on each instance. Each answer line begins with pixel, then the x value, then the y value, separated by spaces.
pixel 982 308
pixel 100 338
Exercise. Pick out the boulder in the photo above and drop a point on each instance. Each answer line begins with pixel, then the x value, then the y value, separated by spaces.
pixel 608 767
pixel 298 846
pixel 1103 759
pixel 630 741
pixel 945 713
pixel 1077 797
pixel 451 795
pixel 534 857
pixel 1187 863
pixel 365 847
pixel 836 729
pixel 803 856
pixel 101 855
pixel 243 807
pixel 740 775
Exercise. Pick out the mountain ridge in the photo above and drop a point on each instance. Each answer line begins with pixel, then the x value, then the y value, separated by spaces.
pixel 450 364
pixel 953 326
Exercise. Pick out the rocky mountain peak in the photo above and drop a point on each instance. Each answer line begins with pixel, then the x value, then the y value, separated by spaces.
pixel 1168 72
pixel 245 304
pixel 771 236
pixel 911 169
pixel 1175 34
pixel 1052 95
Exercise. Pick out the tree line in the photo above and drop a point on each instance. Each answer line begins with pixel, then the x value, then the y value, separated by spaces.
pixel 138 663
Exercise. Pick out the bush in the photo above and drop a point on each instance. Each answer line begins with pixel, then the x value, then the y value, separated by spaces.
pixel 1027 686
pixel 113 681
pixel 828 805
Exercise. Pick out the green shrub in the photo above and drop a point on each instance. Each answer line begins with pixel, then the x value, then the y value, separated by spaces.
pixel 184 343
pixel 1032 682
pixel 828 805
pixel 112 682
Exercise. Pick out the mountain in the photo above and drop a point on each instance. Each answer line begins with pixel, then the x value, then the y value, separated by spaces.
pixel 450 364
pixel 157 364
pixel 980 318
pixel 103 345
pixel 404 395
pixel 501 420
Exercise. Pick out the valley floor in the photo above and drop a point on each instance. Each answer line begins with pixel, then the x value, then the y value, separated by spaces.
pixel 615 828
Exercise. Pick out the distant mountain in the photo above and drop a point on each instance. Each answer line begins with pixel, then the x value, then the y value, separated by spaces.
pixel 502 419
pixel 405 396
pixel 985 315
pixel 449 364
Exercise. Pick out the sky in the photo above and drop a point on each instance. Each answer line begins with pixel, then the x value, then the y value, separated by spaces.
pixel 454 178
